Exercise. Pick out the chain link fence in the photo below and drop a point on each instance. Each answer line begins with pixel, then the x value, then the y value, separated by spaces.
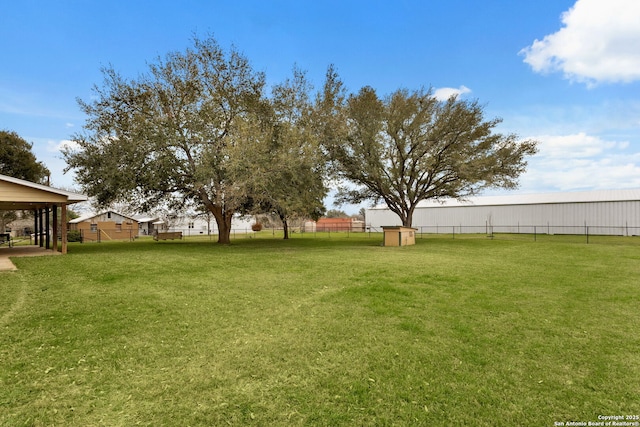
pixel 579 233
pixel 583 233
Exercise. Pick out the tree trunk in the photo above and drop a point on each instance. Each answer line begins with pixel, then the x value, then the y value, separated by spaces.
pixel 223 219
pixel 285 225
pixel 408 219
pixel 224 231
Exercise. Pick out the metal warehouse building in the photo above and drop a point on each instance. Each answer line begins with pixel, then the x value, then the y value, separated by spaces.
pixel 614 212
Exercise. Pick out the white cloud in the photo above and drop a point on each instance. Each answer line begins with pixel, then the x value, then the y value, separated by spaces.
pixel 57 146
pixel 614 172
pixel 579 145
pixel 444 93
pixel 599 42
pixel 580 161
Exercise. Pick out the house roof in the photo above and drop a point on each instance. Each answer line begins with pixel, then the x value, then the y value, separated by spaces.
pixel 18 194
pixel 143 219
pixel 87 217
pixel 537 199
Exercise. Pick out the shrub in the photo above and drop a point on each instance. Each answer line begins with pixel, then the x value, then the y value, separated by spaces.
pixel 74 236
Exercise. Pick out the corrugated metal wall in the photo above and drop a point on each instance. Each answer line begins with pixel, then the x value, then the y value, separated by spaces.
pixel 616 218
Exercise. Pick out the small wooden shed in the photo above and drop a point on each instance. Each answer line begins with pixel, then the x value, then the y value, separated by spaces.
pixel 397 235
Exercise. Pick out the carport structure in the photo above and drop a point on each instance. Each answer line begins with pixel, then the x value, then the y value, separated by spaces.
pixel 43 201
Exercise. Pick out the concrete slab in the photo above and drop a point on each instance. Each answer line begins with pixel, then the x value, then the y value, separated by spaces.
pixel 7 253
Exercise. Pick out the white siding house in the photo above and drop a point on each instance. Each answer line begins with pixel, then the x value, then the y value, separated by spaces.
pixel 193 226
pixel 615 212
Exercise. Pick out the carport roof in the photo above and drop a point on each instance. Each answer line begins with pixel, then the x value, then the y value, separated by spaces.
pixel 18 194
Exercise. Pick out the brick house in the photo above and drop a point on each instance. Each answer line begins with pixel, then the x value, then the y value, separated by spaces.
pixel 107 225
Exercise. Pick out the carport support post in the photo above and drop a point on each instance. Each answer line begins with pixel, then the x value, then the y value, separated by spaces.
pixel 35 226
pixel 47 227
pixel 40 242
pixel 63 221
pixel 55 228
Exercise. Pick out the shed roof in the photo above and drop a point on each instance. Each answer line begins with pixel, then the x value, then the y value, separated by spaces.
pixel 18 194
pixel 537 199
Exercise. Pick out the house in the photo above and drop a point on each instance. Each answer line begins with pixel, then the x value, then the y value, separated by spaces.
pixel 111 225
pixel 107 225
pixel 193 225
pixel 22 226
pixel 148 226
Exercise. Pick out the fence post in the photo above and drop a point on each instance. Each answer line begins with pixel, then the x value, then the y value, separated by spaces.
pixel 535 238
pixel 587 231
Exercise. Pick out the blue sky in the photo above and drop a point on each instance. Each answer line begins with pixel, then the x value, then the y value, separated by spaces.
pixel 564 72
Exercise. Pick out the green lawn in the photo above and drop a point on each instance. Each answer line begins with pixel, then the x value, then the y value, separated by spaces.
pixel 322 331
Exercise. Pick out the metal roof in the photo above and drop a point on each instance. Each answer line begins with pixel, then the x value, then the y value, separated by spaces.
pixel 90 216
pixel 13 205
pixel 143 219
pixel 537 199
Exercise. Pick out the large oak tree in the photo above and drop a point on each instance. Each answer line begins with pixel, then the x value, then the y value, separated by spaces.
pixel 173 135
pixel 410 146
pixel 290 173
